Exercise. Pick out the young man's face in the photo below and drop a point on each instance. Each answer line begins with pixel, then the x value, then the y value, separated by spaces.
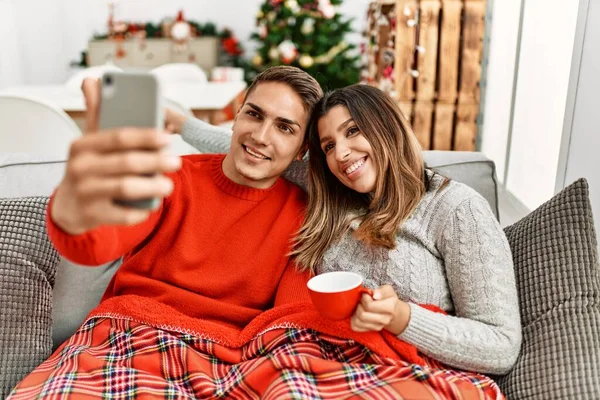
pixel 268 133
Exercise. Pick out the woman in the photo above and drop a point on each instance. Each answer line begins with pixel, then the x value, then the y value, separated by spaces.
pixel 413 234
pixel 417 236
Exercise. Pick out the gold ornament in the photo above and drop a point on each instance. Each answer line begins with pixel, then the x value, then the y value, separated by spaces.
pixel 271 16
pixel 273 53
pixel 306 61
pixel 257 60
pixel 260 14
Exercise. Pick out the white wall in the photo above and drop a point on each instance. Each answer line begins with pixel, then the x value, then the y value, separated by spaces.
pixel 10 70
pixel 44 42
pixel 500 76
pixel 543 78
pixel 581 147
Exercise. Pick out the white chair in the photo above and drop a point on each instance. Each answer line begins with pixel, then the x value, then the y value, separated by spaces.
pixel 178 146
pixel 74 82
pixel 28 125
pixel 179 73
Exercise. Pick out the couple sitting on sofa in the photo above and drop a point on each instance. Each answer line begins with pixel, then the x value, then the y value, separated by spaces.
pixel 210 300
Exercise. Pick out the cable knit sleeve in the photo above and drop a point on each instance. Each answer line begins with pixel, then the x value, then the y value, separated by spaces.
pixel 205 137
pixel 208 138
pixel 485 333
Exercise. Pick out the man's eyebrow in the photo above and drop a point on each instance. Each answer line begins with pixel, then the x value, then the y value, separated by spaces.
pixel 257 108
pixel 280 119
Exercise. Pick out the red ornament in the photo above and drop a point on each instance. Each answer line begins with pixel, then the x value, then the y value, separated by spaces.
pixel 231 46
pixel 388 72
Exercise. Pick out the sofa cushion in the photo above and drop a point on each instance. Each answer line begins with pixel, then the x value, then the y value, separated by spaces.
pixel 558 278
pixel 29 174
pixel 471 168
pixel 78 289
pixel 27 272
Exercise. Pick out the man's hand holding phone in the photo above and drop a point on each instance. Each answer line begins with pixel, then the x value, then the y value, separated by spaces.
pixel 119 163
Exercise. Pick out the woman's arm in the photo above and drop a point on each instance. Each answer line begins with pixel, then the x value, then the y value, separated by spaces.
pixel 205 137
pixel 485 334
pixel 208 138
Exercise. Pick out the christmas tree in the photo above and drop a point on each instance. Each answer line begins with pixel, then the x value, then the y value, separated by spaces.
pixel 308 34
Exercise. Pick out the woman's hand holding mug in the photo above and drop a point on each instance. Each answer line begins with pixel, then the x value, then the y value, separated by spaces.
pixel 383 310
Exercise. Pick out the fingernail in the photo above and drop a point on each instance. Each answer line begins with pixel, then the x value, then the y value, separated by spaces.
pixel 173 162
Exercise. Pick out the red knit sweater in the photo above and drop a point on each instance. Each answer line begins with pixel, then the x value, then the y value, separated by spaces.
pixel 215 250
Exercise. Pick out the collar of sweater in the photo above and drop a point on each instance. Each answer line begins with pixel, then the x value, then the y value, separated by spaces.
pixel 235 189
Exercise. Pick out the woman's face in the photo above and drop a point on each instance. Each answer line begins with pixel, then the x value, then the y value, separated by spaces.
pixel 347 151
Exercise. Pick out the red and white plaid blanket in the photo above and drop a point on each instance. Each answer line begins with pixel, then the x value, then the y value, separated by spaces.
pixel 119 358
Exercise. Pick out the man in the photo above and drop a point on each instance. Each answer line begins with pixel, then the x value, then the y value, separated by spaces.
pixel 211 257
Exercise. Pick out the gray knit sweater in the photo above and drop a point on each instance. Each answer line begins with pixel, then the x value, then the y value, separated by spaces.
pixel 450 253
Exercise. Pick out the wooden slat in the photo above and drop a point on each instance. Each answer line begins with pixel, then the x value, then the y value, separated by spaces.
pixel 473 31
pixel 444 125
pixel 466 127
pixel 449 50
pixel 405 46
pixel 407 108
pixel 422 123
pixel 428 39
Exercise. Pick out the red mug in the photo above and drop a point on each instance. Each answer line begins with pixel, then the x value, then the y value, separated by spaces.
pixel 336 294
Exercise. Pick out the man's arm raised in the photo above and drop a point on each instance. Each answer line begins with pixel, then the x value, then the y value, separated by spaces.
pixel 84 222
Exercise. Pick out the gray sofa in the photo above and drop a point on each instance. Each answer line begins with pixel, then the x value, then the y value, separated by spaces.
pixel 553 364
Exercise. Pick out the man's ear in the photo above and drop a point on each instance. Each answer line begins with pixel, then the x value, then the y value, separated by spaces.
pixel 235 118
pixel 302 151
pixel 237 113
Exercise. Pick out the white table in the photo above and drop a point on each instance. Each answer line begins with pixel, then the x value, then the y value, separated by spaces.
pixel 206 100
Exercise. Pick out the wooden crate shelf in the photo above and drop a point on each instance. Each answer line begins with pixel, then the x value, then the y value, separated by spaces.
pixel 443 41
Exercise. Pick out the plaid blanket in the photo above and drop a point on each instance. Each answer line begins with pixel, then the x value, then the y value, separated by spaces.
pixel 122 359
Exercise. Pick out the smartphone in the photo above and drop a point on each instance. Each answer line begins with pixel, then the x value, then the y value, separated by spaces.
pixel 131 99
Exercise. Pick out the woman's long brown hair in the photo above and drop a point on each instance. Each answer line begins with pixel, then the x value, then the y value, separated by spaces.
pixel 400 185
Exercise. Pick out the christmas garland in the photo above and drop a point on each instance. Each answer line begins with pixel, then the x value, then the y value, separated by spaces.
pixel 123 30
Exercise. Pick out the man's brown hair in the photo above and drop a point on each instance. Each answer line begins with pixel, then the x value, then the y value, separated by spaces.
pixel 298 80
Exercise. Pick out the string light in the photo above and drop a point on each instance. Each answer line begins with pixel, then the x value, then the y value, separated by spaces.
pixel 412 23
pixel 412 20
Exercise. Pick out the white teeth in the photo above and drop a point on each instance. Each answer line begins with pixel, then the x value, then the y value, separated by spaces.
pixel 355 166
pixel 254 154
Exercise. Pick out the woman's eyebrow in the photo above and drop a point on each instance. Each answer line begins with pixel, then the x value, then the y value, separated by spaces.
pixel 342 126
